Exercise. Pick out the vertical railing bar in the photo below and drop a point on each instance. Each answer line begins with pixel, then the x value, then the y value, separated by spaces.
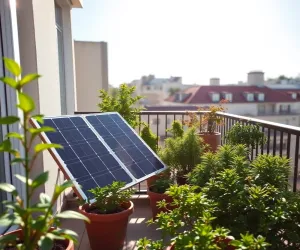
pixel 288 148
pixel 140 119
pixel 157 124
pixel 149 120
pixel 281 143
pixel 268 142
pixel 262 144
pixel 274 141
pixel 296 164
pixel 166 126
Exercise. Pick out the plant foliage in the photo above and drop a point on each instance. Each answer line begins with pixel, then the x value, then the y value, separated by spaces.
pixel 149 137
pixel 124 102
pixel 35 219
pixel 110 198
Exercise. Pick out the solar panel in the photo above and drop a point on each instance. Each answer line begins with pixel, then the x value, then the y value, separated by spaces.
pixel 99 149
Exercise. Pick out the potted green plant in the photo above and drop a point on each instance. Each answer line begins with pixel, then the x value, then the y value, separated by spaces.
pixel 35 220
pixel 248 134
pixel 108 216
pixel 182 153
pixel 190 226
pixel 156 193
pixel 208 124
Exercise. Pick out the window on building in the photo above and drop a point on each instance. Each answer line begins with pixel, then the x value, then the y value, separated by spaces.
pixel 61 61
pixel 284 107
pixel 228 97
pixel 261 97
pixel 294 95
pixel 155 121
pixel 215 97
pixel 250 97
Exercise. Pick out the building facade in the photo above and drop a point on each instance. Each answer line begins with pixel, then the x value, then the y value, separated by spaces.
pixel 38 35
pixel 91 66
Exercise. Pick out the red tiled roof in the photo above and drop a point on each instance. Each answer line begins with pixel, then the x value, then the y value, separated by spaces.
pixel 201 94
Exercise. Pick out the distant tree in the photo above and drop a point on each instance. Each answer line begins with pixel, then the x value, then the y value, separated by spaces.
pixel 113 91
pixel 173 91
pixel 283 77
pixel 122 101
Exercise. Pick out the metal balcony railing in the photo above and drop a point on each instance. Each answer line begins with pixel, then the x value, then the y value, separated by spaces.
pixel 282 140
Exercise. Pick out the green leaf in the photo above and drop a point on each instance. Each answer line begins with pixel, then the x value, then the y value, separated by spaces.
pixel 9 119
pixel 5 146
pixel 41 147
pixel 45 243
pixel 36 131
pixel 23 179
pixel 8 188
pixel 9 81
pixel 44 198
pixel 8 238
pixel 71 215
pixel 12 66
pixel 29 78
pixel 26 103
pixel 15 135
pixel 9 219
pixel 17 160
pixel 39 118
pixel 59 189
pixel 66 234
pixel 40 180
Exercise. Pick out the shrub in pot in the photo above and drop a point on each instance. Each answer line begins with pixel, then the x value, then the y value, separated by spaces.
pixel 156 193
pixel 249 135
pixel 108 216
pixel 189 226
pixel 207 125
pixel 257 201
pixel 182 154
pixel 34 220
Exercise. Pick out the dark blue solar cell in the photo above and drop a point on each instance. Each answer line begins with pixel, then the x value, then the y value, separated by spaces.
pixel 104 179
pixel 135 153
pixel 115 130
pixel 155 162
pixel 49 123
pixel 72 136
pixel 146 166
pixel 95 165
pixel 87 183
pixel 102 131
pixel 145 151
pixel 77 169
pixel 123 156
pixel 83 150
pixel 117 118
pixel 105 119
pixel 124 140
pixel 88 134
pixel 63 123
pixel 78 122
pixel 121 175
pixel 125 128
pixel 113 144
pixel 136 171
pixel 92 119
pixel 56 137
pixel 99 148
pixel 109 161
pixel 67 154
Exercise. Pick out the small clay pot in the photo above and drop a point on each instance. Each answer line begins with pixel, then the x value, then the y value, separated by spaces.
pixel 213 140
pixel 107 231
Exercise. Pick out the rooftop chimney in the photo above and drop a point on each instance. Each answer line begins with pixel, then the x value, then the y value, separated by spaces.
pixel 214 81
pixel 256 78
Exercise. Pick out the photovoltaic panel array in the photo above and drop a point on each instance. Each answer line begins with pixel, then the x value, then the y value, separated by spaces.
pixel 99 149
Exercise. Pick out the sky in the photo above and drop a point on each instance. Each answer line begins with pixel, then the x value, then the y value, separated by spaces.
pixel 195 39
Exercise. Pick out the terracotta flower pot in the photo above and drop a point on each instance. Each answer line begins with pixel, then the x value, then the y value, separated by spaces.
pixel 107 231
pixel 156 197
pixel 213 140
pixel 156 177
pixel 69 245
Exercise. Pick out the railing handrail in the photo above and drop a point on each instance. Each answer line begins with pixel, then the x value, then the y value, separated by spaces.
pixel 272 125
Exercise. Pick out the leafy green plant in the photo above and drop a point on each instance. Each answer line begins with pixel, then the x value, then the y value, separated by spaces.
pixel 182 154
pixel 34 219
pixel 176 129
pixel 109 199
pixel 247 134
pixel 149 137
pixel 189 225
pixel 161 185
pixel 227 157
pixel 124 102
